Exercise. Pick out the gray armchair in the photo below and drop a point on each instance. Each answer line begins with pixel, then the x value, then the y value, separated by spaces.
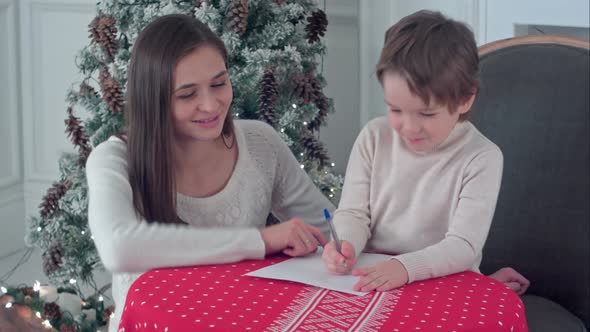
pixel 534 103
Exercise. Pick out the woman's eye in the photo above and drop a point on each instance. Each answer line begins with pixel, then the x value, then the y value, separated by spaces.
pixel 217 85
pixel 186 95
pixel 428 115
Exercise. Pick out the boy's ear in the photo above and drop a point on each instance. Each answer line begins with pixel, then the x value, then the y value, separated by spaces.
pixel 466 106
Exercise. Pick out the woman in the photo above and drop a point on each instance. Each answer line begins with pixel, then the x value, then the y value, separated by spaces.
pixel 185 185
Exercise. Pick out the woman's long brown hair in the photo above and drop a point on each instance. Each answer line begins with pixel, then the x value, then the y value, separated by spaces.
pixel 148 121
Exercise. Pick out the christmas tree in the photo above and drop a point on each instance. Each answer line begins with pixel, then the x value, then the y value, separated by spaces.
pixel 275 51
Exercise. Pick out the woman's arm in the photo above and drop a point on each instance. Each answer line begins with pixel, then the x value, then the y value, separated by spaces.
pixel 126 243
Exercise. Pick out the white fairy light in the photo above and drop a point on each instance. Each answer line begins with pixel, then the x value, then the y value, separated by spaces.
pixel 333 164
pixel 36 286
pixel 302 166
pixel 72 281
pixel 294 106
pixel 305 123
pixel 100 298
pixel 3 289
pixel 8 305
pixel 39 229
pixel 38 314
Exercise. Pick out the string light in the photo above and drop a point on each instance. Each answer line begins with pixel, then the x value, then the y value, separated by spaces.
pixel 333 164
pixel 8 305
pixel 294 106
pixel 36 286
pixel 83 232
pixel 282 130
pixel 92 237
pixel 72 281
pixel 38 314
pixel 305 123
pixel 301 154
pixel 100 298
pixel 302 166
pixel 39 229
pixel 3 289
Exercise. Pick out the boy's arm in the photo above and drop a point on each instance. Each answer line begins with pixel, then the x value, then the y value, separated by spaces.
pixel 469 226
pixel 353 216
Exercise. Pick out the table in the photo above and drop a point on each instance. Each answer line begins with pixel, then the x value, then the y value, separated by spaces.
pixel 220 298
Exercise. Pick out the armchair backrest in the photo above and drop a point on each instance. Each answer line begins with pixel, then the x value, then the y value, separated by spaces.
pixel 534 104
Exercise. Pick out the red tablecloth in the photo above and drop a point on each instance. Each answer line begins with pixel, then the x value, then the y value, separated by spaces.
pixel 220 298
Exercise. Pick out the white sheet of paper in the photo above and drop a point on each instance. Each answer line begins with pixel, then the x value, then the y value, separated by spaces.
pixel 312 271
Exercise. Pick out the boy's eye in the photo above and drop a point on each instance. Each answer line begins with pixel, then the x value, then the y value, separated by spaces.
pixel 428 115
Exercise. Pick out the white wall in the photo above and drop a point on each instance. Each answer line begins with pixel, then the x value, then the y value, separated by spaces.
pixel 11 192
pixel 490 20
pixel 341 69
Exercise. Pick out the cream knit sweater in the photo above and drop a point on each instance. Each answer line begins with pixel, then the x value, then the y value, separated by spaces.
pixel 433 210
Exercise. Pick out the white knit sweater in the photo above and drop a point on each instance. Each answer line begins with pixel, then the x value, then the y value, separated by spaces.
pixel 222 228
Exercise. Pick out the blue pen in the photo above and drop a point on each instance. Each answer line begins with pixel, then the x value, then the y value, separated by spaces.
pixel 333 231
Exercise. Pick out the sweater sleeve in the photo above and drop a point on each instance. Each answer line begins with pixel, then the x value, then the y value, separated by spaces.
pixel 469 226
pixel 294 195
pixel 126 243
pixel 353 216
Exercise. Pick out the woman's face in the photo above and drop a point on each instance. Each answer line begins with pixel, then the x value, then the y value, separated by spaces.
pixel 201 95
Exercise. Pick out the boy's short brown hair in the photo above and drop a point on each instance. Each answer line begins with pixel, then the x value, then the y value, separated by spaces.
pixel 436 55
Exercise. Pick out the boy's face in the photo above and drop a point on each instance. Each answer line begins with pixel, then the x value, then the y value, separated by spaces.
pixel 421 127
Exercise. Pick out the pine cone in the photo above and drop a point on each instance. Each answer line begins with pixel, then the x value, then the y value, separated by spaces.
pixel 315 149
pixel 87 91
pixel 112 93
pixel 51 311
pixel 199 3
pixel 103 31
pixel 27 291
pixel 236 18
pixel 316 26
pixel 50 202
pixel 106 313
pixel 65 327
pixel 52 258
pixel 77 136
pixel 323 105
pixel 307 87
pixel 267 97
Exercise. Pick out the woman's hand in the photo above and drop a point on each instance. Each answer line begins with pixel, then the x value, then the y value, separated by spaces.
pixel 293 238
pixel 514 280
pixel 336 263
pixel 383 276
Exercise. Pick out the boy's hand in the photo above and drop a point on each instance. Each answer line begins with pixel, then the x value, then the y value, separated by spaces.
pixel 514 280
pixel 293 238
pixel 336 263
pixel 383 276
